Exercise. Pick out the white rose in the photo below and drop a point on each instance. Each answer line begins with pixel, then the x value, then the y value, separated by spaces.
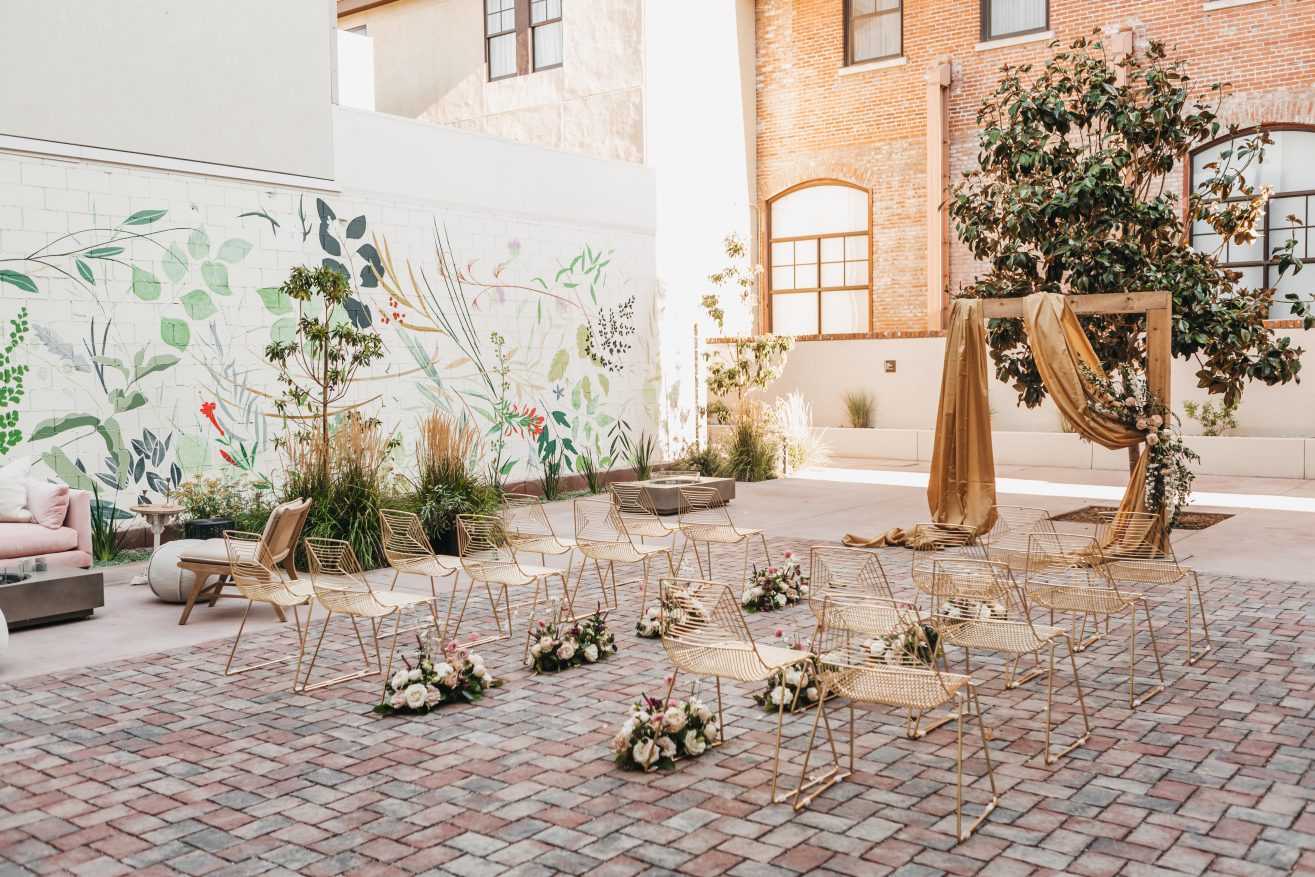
pixel 694 744
pixel 415 696
pixel 652 612
pixel 645 753
pixel 710 730
pixel 703 713
pixel 1152 439
pixel 433 696
pixel 400 678
pixel 629 727
pixel 566 652
pixel 545 643
pixel 444 669
pixel 535 650
pixel 674 719
pixel 878 648
pixel 793 678
pixel 811 693
pixel 780 599
pixel 399 699
pixel 481 673
pixel 414 675
pixel 591 653
pixel 667 746
pixel 777 696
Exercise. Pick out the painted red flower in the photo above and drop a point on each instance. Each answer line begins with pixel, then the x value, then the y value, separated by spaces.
pixel 208 410
pixel 225 455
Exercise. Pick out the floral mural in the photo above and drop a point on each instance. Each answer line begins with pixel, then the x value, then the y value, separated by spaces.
pixel 161 323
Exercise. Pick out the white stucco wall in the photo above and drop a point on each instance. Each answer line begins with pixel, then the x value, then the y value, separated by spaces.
pixel 244 83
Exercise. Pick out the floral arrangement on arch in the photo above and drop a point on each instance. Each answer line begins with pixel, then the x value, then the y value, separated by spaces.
pixel 433 681
pixel 656 734
pixel 1126 397
pixel 775 587
pixel 561 645
pixel 796 686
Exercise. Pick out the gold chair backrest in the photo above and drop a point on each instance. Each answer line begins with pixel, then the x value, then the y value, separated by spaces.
pixel 598 520
pixel 403 535
pixel 859 659
pixel 632 499
pixel 844 570
pixel 486 551
pixel 704 632
pixel 979 584
pixel 1132 535
pixel 250 563
pixel 1019 520
pixel 523 515
pixel 932 543
pixel 703 507
pixel 284 526
pixel 1046 551
pixel 333 566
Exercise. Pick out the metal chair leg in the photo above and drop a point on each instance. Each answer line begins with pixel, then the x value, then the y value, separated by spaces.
pixel 1133 700
pixel 1050 698
pixel 1194 583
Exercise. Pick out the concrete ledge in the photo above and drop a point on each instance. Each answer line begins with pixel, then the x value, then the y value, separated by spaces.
pixel 1220 455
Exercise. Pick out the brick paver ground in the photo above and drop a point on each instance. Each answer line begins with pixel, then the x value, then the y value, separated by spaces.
pixel 161 765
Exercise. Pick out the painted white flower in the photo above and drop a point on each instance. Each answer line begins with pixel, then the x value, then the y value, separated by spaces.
pixel 400 678
pixel 566 651
pixel 811 693
pixel 674 719
pixel 415 696
pixel 666 746
pixel 694 744
pixel 645 753
pixel 591 653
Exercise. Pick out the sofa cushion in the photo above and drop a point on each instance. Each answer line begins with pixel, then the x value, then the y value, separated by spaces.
pixel 48 503
pixel 13 491
pixel 26 540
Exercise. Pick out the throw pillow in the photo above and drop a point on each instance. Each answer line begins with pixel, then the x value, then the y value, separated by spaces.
pixel 13 492
pixel 48 503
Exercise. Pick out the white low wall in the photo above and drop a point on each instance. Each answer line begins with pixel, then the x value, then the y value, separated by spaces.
pixel 1220 455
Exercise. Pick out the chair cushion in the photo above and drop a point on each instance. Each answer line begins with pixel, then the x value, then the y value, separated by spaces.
pixel 26 540
pixel 208 551
pixel 48 503
pixel 13 491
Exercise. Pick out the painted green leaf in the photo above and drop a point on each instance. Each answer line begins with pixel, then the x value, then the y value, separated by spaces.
pixel 198 305
pixel 275 301
pixel 56 425
pixel 145 217
pixel 175 333
pixel 604 383
pixel 198 243
pixel 216 277
pixel 126 401
pixel 191 453
pixel 560 417
pixel 175 263
pixel 157 363
pixel 85 271
pixel 581 337
pixel 283 331
pixel 559 364
pixel 113 437
pixel 59 463
pixel 144 284
pixel 13 278
pixel 233 250
pixel 356 228
pixel 586 388
pixel 103 252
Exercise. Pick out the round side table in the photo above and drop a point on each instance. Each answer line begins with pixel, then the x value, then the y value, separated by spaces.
pixel 158 516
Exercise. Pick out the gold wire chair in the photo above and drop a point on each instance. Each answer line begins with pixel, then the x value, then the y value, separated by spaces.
pixel 257 578
pixel 639 513
pixel 704 634
pixel 341 587
pixel 1006 541
pixel 487 557
pixel 1132 554
pixel 985 609
pixel 602 537
pixel 1065 575
pixel 705 519
pixel 527 528
pixel 407 550
pixel 858 662
pixel 938 543
pixel 848 571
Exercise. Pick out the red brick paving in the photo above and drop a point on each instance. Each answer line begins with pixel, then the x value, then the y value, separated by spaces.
pixel 162 765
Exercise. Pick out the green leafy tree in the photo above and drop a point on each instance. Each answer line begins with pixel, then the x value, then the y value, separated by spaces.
pixel 317 367
pixel 737 275
pixel 1070 195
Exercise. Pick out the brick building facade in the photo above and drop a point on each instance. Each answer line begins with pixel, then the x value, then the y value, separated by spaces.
pixel 883 125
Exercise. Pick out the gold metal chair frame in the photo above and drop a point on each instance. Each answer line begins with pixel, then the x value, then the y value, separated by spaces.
pixel 705 519
pixel 341 587
pixel 639 513
pixel 527 529
pixel 1013 634
pixel 489 558
pixel 257 578
pixel 1066 573
pixel 709 637
pixel 602 537
pixel 849 670
pixel 408 550
pixel 936 543
pixel 1131 556
pixel 1006 541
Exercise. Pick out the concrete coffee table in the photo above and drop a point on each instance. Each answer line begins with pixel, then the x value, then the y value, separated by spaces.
pixel 60 593
pixel 665 490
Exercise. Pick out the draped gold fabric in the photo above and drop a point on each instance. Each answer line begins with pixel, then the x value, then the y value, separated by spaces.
pixel 961 487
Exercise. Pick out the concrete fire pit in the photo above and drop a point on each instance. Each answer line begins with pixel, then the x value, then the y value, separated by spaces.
pixel 665 490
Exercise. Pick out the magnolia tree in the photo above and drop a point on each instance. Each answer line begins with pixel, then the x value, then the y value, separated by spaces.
pixel 1070 195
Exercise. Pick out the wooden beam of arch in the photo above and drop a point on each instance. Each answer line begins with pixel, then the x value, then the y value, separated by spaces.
pixel 1157 306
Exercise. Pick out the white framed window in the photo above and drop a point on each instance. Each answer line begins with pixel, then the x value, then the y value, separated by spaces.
pixel 1011 18
pixel 1289 170
pixel 819 276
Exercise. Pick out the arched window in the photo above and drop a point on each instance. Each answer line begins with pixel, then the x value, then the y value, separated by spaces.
pixel 1289 169
pixel 819 275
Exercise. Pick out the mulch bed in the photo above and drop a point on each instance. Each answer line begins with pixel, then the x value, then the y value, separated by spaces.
pixel 1188 521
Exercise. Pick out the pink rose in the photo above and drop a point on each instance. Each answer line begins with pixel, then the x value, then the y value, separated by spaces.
pixel 789 554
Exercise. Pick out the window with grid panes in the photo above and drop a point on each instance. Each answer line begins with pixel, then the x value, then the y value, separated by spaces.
pixel 819 260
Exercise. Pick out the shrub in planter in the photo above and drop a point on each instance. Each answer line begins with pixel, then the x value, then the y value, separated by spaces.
pixel 446 454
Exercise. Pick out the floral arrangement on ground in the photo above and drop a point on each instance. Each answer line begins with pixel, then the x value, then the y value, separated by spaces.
pixel 775 587
pixel 669 612
pixel 656 734
pixel 796 686
pixel 1126 397
pixel 564 644
pixel 457 675
pixel 912 648
pixel 960 609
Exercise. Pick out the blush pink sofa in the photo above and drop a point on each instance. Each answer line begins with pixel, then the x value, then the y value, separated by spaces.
pixel 70 545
